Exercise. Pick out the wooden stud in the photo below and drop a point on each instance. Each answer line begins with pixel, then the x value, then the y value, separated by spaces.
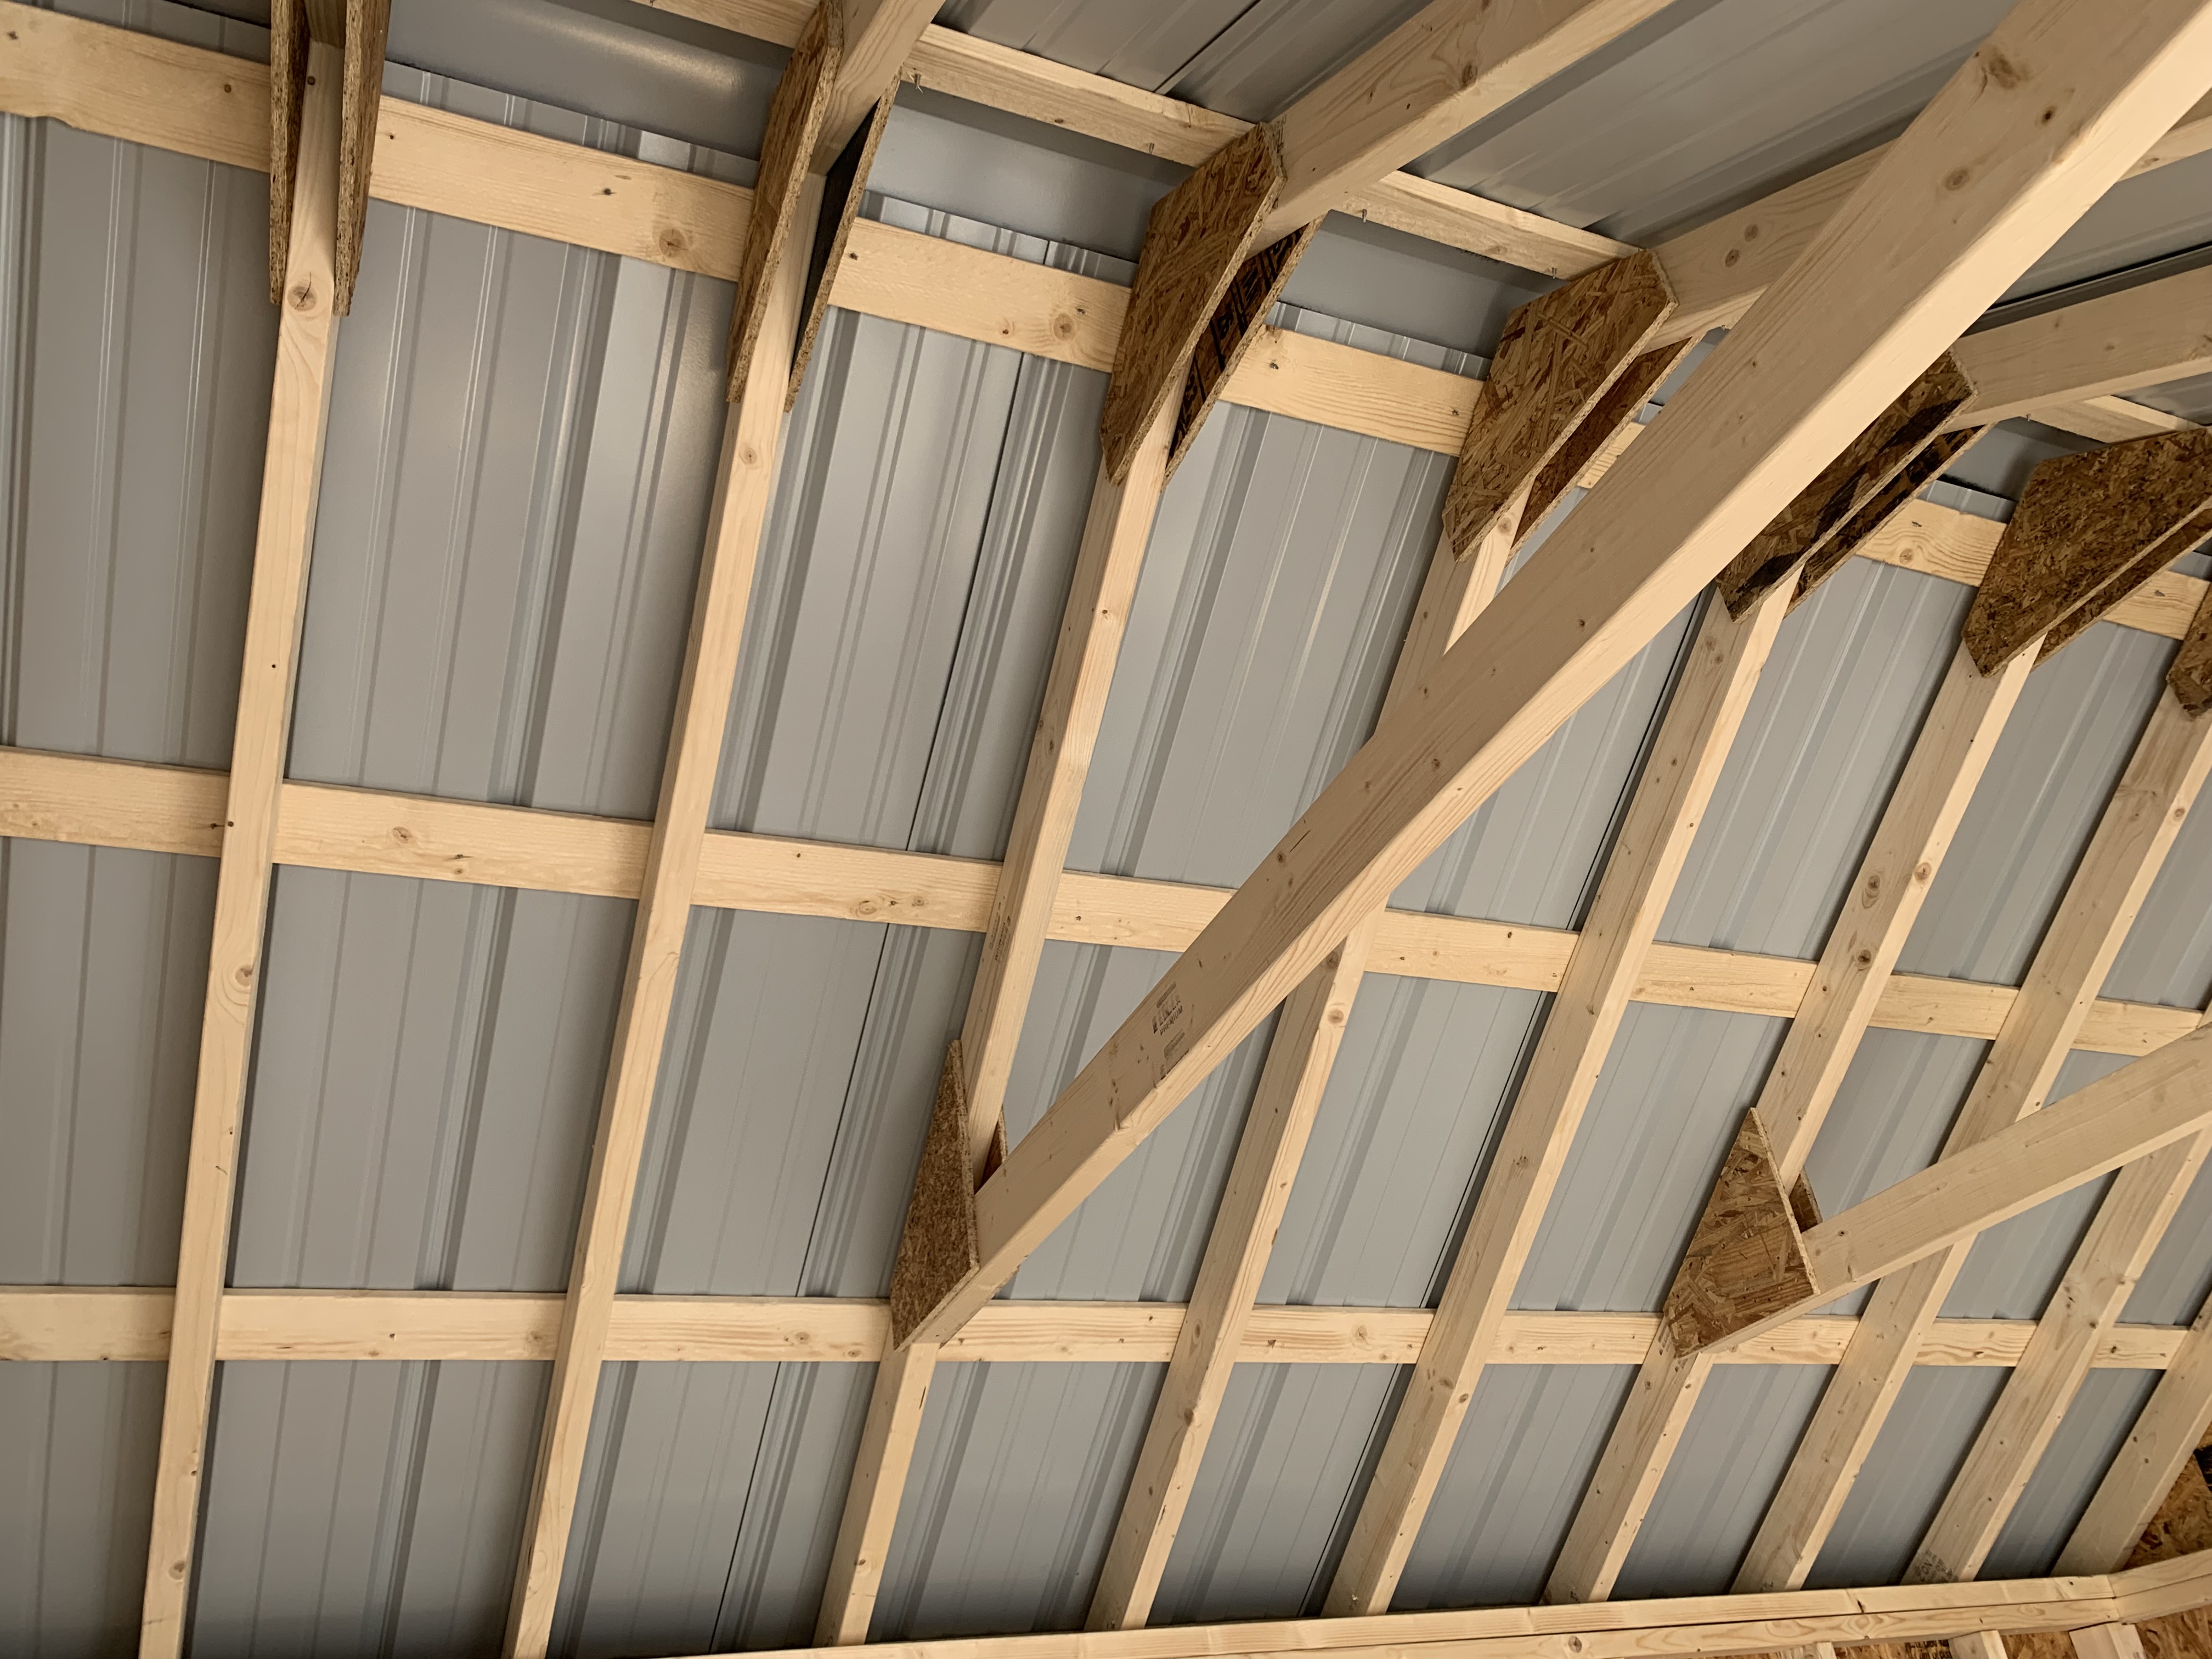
pixel 846 185
pixel 1927 465
pixel 1854 480
pixel 877 37
pixel 879 1472
pixel 2154 1464
pixel 1597 432
pixel 283 539
pixel 368 23
pixel 1894 875
pixel 1229 332
pixel 795 122
pixel 2088 529
pixel 744 482
pixel 1702 719
pixel 1556 357
pixel 1979 1644
pixel 2114 1641
pixel 1196 242
pixel 2044 1024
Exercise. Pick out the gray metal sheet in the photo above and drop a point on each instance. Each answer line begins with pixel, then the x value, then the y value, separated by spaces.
pixel 1829 728
pixel 136 342
pixel 521 452
pixel 710 1500
pixel 1413 1108
pixel 1531 1439
pixel 364 1508
pixel 2049 779
pixel 1275 1492
pixel 1018 1475
pixel 427 1074
pixel 103 970
pixel 77 1444
pixel 2088 1437
pixel 1915 1457
pixel 1674 1089
pixel 1720 1480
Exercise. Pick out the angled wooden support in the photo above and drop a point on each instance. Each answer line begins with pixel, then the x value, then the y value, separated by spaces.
pixel 1559 354
pixel 360 25
pixel 1236 322
pixel 1195 244
pixel 2191 675
pixel 2156 1488
pixel 1600 430
pixel 1980 1644
pixel 2146 1104
pixel 1700 725
pixel 795 114
pixel 744 483
pixel 1853 481
pixel 1740 1263
pixel 307 334
pixel 2156 332
pixel 2115 1641
pixel 1927 465
pixel 2133 837
pixel 1882 291
pixel 2089 530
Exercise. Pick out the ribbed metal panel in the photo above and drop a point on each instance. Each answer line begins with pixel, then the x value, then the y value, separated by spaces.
pixel 1016 1479
pixel 1715 1493
pixel 1915 1458
pixel 521 453
pixel 426 1074
pixel 2088 1437
pixel 1275 1493
pixel 76 1459
pixel 368 1508
pixel 136 342
pixel 1829 728
pixel 1666 1109
pixel 103 968
pixel 1532 1437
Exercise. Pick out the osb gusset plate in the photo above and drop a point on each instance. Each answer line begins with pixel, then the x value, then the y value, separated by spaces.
pixel 1557 356
pixel 1195 243
pixel 1925 466
pixel 846 185
pixel 1745 1263
pixel 1631 390
pixel 794 121
pixel 937 1251
pixel 2089 529
pixel 1852 481
pixel 2190 676
pixel 1229 333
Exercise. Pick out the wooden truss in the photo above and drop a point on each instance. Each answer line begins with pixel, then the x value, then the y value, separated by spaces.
pixel 1800 442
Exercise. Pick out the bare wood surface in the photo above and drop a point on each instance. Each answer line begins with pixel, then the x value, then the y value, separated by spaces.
pixel 1196 242
pixel 1557 356
pixel 290 482
pixel 2088 529
pixel 2155 332
pixel 879 1472
pixel 2153 1458
pixel 876 37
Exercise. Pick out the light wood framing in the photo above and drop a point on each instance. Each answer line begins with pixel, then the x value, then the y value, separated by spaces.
pixel 2044 1024
pixel 299 406
pixel 2168 1429
pixel 877 38
pixel 744 479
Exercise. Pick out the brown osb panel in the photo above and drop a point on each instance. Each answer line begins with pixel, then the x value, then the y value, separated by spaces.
pixel 937 1251
pixel 846 185
pixel 1613 410
pixel 1851 481
pixel 2177 1636
pixel 2190 676
pixel 1194 245
pixel 1559 354
pixel 1745 1263
pixel 288 90
pixel 1229 333
pixel 1926 466
pixel 368 23
pixel 795 120
pixel 2146 564
pixel 2087 530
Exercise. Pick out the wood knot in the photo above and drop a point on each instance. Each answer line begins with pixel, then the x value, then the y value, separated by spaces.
pixel 670 240
pixel 1063 327
pixel 1958 179
pixel 403 835
pixel 301 295
pixel 2000 70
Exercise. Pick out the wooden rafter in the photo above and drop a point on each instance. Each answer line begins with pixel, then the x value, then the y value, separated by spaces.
pixel 291 477
pixel 1882 291
pixel 2153 1473
pixel 2101 905
pixel 1885 899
